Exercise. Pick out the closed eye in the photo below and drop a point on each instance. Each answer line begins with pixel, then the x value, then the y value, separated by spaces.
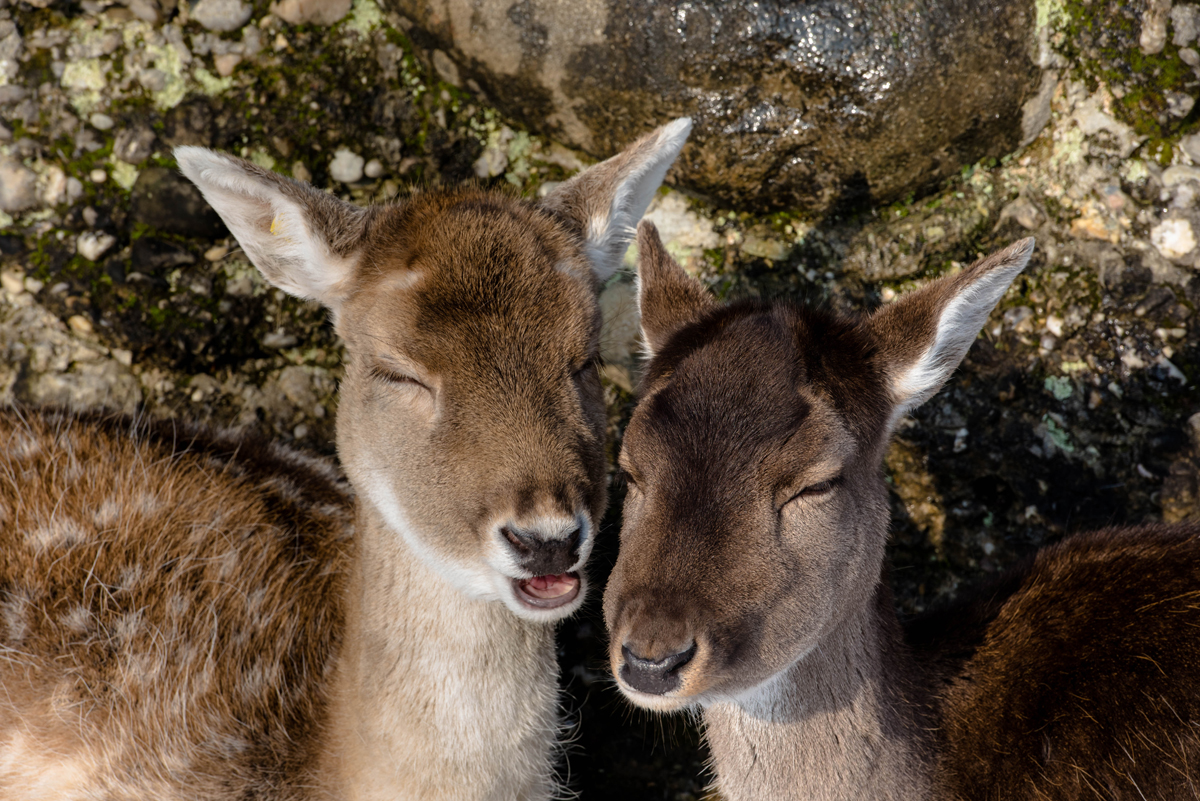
pixel 390 376
pixel 587 368
pixel 817 490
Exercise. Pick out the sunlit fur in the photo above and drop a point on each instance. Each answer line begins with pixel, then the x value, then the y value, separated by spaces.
pixel 754 529
pixel 182 620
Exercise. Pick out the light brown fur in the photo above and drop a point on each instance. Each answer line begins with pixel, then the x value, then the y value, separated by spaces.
pixel 205 629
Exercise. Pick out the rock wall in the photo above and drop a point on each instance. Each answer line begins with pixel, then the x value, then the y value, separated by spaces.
pixel 1074 409
pixel 814 106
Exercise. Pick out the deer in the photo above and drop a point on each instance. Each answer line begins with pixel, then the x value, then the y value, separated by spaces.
pixel 751 586
pixel 187 613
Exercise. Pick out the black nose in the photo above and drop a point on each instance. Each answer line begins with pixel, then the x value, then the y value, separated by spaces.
pixel 544 557
pixel 654 676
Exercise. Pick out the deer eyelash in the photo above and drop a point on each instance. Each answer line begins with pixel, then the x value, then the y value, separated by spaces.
pixel 392 377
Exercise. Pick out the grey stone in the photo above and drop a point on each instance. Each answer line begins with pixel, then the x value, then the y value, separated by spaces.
pixel 221 15
pixel 168 202
pixel 18 186
pixel 797 105
pixel 1191 146
pixel 1154 26
pixel 347 166
pixel 318 12
pixel 12 94
pixel 1184 22
pixel 134 145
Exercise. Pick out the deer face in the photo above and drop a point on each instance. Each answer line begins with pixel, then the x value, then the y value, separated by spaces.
pixel 471 417
pixel 754 508
pixel 476 341
pixel 756 513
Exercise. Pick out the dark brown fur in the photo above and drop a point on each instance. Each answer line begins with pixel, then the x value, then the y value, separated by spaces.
pixel 754 531
pixel 1077 676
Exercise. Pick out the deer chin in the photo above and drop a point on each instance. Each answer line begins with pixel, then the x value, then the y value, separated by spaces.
pixel 656 703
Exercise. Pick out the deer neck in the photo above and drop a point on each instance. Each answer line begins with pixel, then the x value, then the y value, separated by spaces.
pixel 437 695
pixel 841 723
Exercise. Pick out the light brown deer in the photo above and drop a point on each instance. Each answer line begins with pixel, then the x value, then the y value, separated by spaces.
pixel 750 579
pixel 186 615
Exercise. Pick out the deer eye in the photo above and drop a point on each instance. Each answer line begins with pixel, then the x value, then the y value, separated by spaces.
pixel 395 377
pixel 586 369
pixel 627 478
pixel 814 491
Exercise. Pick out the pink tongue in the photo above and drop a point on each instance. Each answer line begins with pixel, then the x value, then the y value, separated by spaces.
pixel 550 586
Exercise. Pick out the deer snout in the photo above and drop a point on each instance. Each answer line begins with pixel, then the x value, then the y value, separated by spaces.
pixel 651 675
pixel 544 555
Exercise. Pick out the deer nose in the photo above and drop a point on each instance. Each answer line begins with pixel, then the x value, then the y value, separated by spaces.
pixel 654 676
pixel 541 555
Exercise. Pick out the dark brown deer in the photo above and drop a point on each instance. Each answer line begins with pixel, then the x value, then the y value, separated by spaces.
pixel 189 616
pixel 750 580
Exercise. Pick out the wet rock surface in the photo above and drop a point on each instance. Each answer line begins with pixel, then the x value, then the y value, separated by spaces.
pixel 810 106
pixel 1076 407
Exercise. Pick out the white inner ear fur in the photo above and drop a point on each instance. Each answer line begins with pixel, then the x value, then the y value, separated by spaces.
pixel 610 229
pixel 957 327
pixel 270 226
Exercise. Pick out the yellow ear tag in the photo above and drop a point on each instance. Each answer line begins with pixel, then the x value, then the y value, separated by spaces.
pixel 277 225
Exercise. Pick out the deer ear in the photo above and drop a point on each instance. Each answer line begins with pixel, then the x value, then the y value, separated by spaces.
pixel 668 298
pixel 302 240
pixel 607 199
pixel 924 335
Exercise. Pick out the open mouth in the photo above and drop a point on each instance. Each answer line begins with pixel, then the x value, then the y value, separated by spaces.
pixel 547 592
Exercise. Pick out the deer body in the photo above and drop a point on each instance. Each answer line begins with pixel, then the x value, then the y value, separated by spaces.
pixel 750 579
pixel 183 622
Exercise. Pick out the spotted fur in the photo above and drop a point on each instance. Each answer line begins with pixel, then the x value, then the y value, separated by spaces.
pixel 170 610
pixel 186 615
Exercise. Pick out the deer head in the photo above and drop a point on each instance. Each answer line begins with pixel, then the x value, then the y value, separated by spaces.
pixel 756 512
pixel 471 418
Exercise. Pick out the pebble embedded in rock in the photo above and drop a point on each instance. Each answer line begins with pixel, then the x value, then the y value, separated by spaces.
pixel 1179 104
pixel 1173 238
pixel 79 324
pixel 1154 26
pixel 346 167
pixel 97 176
pixel 226 63
pixel 101 122
pixel 374 168
pixel 134 145
pixel 221 15
pixel 1184 23
pixel 317 12
pixel 18 186
pixel 12 281
pixel 1026 214
pixel 92 245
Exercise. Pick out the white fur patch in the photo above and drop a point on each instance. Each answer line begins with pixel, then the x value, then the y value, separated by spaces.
pixel 58 532
pixel 609 231
pixel 288 253
pixel 473 582
pixel 958 325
